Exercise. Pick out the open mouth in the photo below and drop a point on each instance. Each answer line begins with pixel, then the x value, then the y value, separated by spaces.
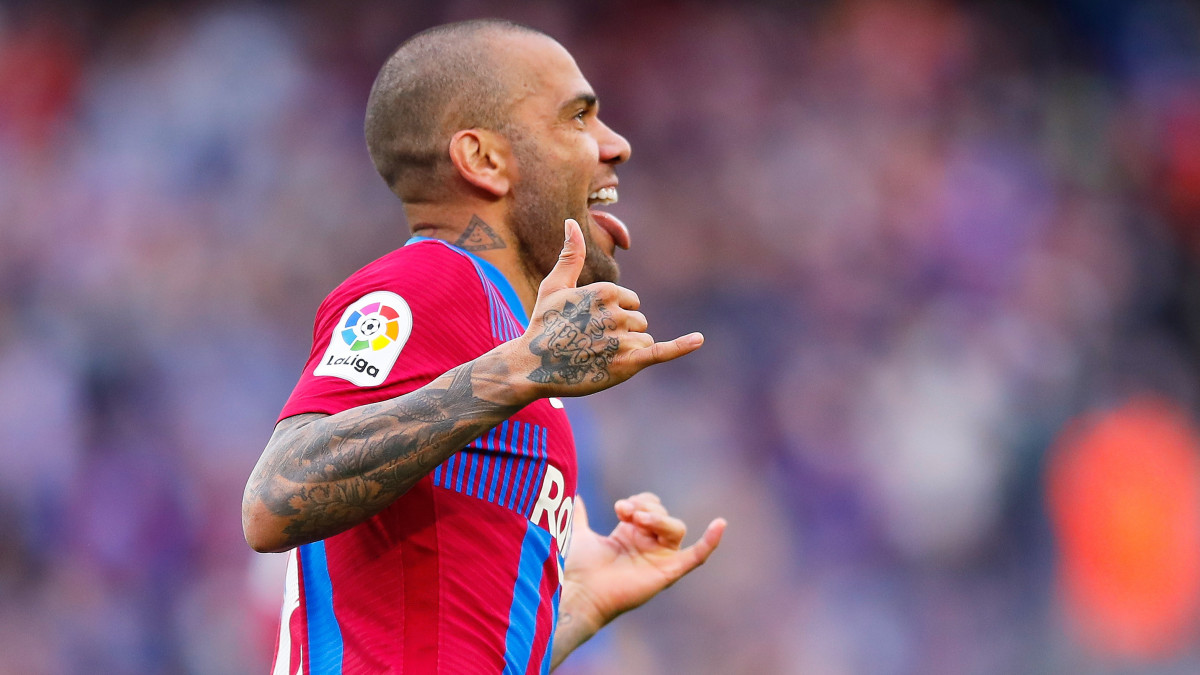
pixel 607 221
pixel 603 197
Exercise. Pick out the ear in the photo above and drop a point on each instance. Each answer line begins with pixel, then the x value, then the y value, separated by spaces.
pixel 483 159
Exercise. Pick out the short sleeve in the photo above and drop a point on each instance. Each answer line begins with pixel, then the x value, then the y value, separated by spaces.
pixel 393 327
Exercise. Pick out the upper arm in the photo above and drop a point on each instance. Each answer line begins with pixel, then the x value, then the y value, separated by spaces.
pixel 281 451
pixel 287 428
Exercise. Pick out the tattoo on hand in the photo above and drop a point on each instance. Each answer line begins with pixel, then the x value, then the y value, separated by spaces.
pixel 479 236
pixel 573 345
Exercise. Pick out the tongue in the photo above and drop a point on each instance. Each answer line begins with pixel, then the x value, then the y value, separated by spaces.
pixel 613 226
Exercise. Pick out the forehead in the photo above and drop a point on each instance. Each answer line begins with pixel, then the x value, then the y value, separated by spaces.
pixel 544 72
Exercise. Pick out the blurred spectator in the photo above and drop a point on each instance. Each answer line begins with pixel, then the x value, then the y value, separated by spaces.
pixel 1123 490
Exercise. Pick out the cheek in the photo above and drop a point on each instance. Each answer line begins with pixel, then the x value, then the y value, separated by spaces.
pixel 590 152
pixel 581 152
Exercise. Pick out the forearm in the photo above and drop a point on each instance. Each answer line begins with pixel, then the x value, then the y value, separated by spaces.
pixel 576 624
pixel 321 475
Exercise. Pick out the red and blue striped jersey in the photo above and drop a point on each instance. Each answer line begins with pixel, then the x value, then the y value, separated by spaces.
pixel 461 574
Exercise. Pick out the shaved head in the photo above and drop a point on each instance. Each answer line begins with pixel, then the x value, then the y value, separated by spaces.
pixel 441 80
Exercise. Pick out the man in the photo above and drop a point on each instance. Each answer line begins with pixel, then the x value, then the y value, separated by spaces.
pixel 423 465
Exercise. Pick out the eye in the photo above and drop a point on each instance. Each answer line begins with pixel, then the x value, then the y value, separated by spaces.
pixel 579 116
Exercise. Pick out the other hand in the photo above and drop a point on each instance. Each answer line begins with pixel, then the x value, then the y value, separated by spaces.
pixel 607 576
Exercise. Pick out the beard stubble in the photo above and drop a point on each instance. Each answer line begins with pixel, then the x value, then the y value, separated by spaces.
pixel 540 205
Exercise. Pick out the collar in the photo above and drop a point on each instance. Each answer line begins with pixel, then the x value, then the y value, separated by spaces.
pixel 493 275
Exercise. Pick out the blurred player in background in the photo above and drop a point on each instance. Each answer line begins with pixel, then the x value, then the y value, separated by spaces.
pixel 423 468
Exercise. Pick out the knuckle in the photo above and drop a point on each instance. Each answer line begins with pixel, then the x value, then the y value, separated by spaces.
pixel 605 289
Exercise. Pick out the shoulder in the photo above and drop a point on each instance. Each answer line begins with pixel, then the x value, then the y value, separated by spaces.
pixel 422 272
pixel 428 266
pixel 393 326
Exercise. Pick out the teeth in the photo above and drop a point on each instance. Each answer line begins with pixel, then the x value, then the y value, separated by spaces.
pixel 606 195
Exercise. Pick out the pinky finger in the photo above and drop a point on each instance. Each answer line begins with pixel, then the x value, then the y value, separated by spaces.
pixel 695 555
pixel 661 352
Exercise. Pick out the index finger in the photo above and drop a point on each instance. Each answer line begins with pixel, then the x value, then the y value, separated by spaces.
pixel 627 299
pixel 669 531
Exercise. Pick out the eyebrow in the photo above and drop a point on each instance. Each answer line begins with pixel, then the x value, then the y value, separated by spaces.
pixel 588 99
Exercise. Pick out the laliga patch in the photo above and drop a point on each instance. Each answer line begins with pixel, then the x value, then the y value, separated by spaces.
pixel 366 342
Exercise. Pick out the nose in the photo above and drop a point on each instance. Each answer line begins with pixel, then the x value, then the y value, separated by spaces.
pixel 614 149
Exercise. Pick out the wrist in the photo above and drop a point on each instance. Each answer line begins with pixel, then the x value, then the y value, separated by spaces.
pixel 585 618
pixel 575 625
pixel 507 370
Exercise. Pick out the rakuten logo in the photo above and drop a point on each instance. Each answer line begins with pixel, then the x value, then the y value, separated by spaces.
pixel 555 508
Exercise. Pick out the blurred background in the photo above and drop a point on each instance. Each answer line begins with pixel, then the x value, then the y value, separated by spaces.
pixel 946 255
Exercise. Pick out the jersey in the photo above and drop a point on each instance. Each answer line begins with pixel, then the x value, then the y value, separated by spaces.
pixel 461 574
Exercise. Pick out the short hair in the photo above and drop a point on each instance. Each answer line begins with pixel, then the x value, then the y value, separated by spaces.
pixel 436 83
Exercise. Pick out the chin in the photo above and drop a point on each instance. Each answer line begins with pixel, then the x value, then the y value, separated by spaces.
pixel 598 266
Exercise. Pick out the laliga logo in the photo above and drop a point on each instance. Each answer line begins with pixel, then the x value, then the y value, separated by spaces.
pixel 360 364
pixel 367 340
pixel 375 326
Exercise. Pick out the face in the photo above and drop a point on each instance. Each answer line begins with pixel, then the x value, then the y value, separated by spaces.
pixel 565 163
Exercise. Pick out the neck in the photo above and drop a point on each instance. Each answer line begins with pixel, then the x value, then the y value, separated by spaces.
pixel 483 232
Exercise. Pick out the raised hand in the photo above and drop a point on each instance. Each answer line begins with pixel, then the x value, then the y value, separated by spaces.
pixel 587 339
pixel 607 576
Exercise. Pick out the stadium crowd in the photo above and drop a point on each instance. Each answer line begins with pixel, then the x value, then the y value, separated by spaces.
pixel 927 242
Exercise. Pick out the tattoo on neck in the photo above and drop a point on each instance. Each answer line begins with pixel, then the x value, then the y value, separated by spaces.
pixel 573 344
pixel 479 236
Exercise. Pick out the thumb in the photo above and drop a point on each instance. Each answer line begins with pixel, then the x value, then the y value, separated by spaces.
pixel 570 261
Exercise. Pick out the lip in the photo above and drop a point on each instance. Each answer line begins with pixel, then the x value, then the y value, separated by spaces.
pixel 605 178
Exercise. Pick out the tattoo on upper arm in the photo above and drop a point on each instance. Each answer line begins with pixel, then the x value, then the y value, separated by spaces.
pixel 573 345
pixel 479 236
pixel 272 464
pixel 327 473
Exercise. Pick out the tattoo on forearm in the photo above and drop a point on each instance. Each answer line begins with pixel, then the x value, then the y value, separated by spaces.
pixel 568 634
pixel 573 344
pixel 352 465
pixel 479 236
